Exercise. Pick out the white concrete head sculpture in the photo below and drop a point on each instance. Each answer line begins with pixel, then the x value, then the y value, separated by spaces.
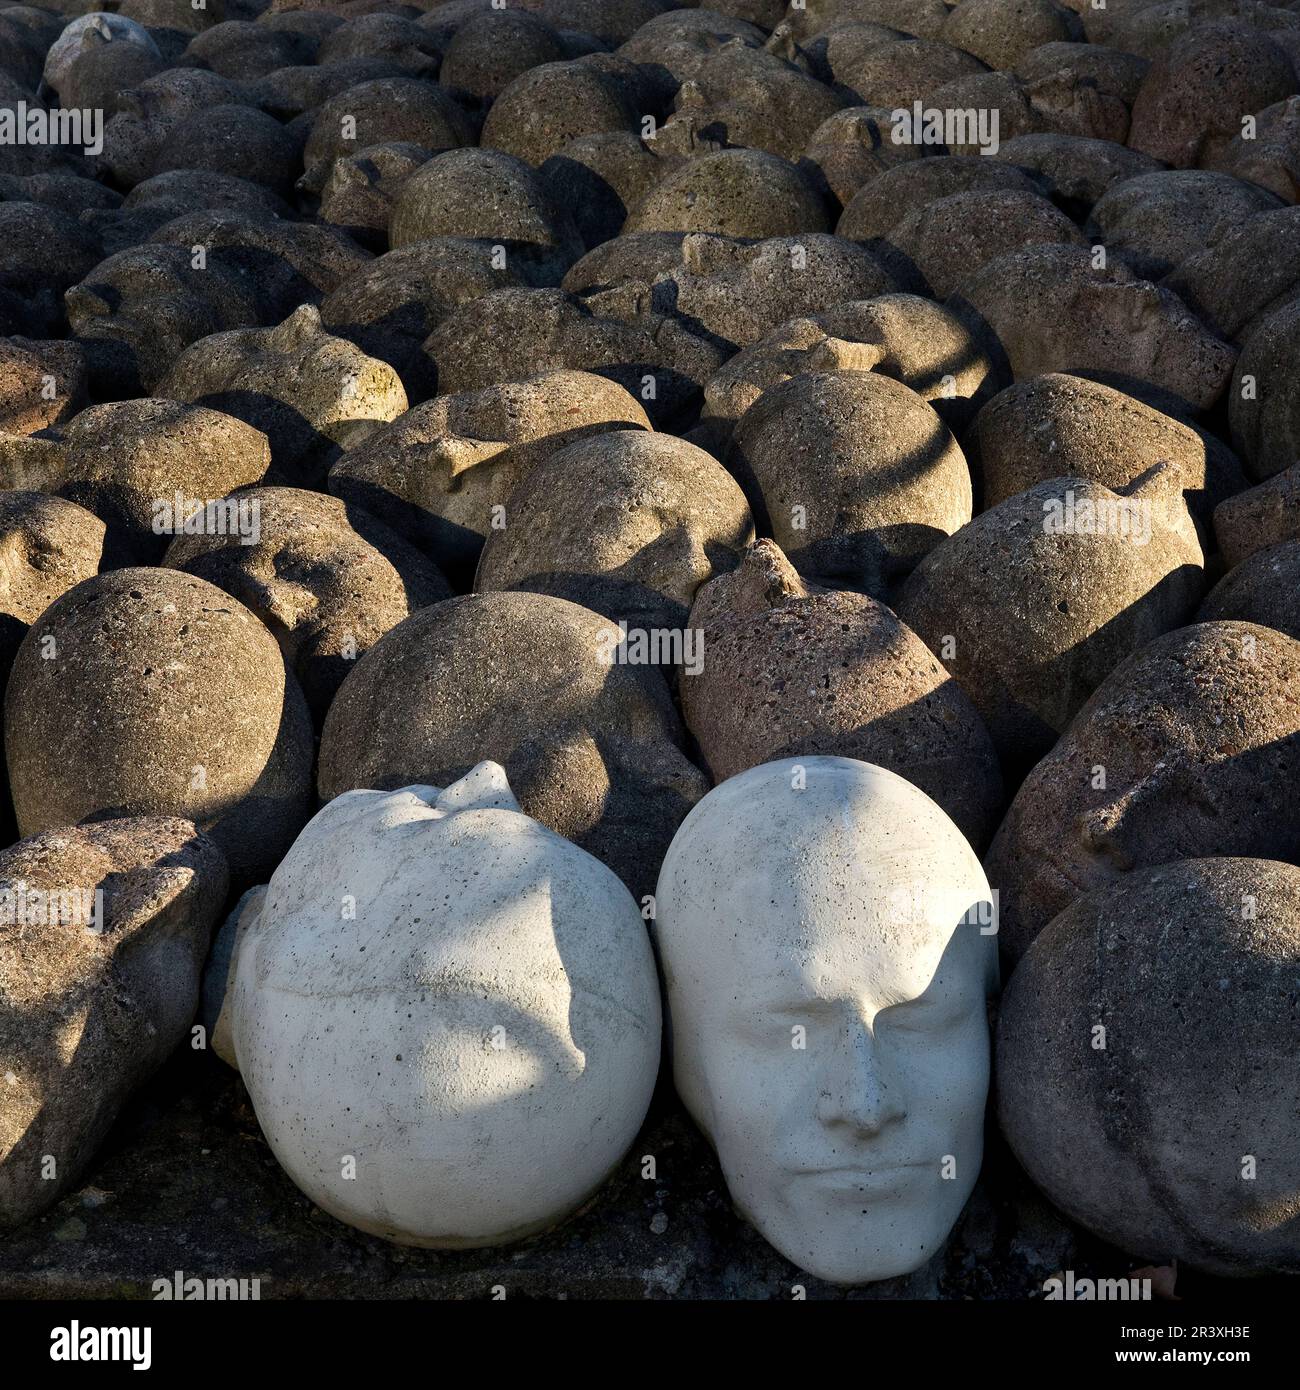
pixel 446 1015
pixel 819 926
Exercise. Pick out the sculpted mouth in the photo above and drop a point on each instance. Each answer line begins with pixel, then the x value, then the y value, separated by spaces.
pixel 860 1172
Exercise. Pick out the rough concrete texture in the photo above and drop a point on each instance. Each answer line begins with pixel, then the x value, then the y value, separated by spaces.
pixel 904 336
pixel 392 305
pixel 1269 157
pixel 122 459
pixel 1158 220
pixel 42 384
pixel 1264 589
pixel 49 545
pixel 1053 310
pixel 791 668
pixel 1184 751
pixel 924 18
pixel 637 256
pixel 1243 275
pixel 852 147
pixel 361 189
pixel 591 742
pixel 546 107
pixel 232 140
pixel 628 524
pixel 42 253
pixel 1191 103
pixel 1058 425
pixel 99 980
pixel 150 692
pixel 515 334
pixel 1264 402
pixel 306 390
pixel 524 229
pixel 852 474
pixel 1114 71
pixel 672 48
pixel 295 93
pixel 492 49
pixel 398 108
pixel 1262 516
pixel 91 30
pixel 744 193
pixel 897 74
pixel 136 310
pixel 439 474
pixel 599 178
pixel 1062 103
pixel 736 292
pixel 1080 576
pixel 493 197
pixel 287 263
pixel 378 35
pixel 952 238
pixel 1076 170
pixel 326 579
pixel 148 116
pixel 885 201
pixel 1172 1137
pixel 1003 32
pixel 744 96
pixel 243 50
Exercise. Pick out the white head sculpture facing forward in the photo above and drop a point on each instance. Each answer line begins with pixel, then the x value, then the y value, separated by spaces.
pixel 826 940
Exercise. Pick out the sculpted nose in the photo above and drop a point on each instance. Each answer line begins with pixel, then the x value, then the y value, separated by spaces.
pixel 1121 830
pixel 856 1092
pixel 1102 832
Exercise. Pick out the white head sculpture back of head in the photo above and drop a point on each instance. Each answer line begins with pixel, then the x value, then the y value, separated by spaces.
pixel 826 940
pixel 86 30
pixel 446 1015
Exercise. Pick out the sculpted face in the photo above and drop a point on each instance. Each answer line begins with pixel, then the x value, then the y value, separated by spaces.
pixel 827 1006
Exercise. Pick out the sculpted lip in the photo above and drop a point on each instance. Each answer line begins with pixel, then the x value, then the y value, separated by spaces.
pixel 864 1174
